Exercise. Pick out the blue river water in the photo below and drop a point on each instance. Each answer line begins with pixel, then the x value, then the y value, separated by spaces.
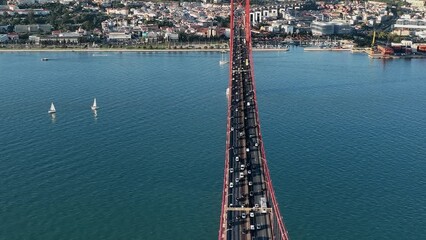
pixel 345 138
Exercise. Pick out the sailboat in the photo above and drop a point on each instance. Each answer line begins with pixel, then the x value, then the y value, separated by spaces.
pixel 52 109
pixel 222 60
pixel 94 106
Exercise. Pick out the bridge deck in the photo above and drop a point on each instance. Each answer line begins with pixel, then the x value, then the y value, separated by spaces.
pixel 246 181
pixel 249 207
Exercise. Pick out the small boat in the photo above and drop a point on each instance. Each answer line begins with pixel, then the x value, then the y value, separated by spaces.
pixel 94 106
pixel 222 60
pixel 284 48
pixel 44 59
pixel 52 109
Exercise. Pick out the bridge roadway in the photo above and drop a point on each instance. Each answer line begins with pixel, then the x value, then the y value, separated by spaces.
pixel 245 178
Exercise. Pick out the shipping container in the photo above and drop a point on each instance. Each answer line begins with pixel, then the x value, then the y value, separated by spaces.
pixel 421 48
pixel 385 50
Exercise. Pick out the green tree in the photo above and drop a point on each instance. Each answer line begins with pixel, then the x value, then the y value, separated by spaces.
pixel 382 35
pixel 30 17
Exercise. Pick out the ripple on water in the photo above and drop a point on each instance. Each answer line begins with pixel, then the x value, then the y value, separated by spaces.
pixel 344 144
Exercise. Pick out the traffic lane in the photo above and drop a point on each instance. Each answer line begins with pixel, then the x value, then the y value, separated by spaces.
pixel 258 181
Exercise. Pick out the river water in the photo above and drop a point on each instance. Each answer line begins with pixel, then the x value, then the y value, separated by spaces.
pixel 344 137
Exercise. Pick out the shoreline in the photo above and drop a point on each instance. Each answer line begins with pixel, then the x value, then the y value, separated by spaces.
pixel 326 49
pixel 134 50
pixel 385 57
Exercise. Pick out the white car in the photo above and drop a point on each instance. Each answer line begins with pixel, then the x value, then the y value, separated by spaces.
pixel 251 214
pixel 231 170
pixel 231 185
pixel 243 215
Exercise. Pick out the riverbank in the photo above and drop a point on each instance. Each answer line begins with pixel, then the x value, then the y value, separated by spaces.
pixel 326 49
pixel 410 56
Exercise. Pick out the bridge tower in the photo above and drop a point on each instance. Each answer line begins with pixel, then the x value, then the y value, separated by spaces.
pixel 249 207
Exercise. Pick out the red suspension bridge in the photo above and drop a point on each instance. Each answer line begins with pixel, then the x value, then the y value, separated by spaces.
pixel 249 207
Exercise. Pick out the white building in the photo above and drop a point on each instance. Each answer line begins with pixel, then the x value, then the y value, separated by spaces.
pixel 341 28
pixel 330 28
pixel 171 36
pixel 257 15
pixel 66 1
pixel 118 36
pixel 322 28
pixel 410 24
pixel 421 34
pixel 273 12
pixel 34 39
pixel 417 3
pixel 288 29
pixel 69 35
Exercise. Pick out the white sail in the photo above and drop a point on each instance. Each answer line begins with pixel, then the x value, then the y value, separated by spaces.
pixel 52 108
pixel 94 106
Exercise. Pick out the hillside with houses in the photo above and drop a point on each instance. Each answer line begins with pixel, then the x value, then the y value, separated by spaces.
pixel 100 23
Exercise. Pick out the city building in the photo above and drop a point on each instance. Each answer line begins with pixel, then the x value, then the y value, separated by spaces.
pixel 410 24
pixel 33 28
pixel 330 28
pixel 118 36
pixel 322 28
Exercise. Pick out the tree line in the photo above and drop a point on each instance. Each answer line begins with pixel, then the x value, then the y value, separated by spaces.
pixel 60 17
